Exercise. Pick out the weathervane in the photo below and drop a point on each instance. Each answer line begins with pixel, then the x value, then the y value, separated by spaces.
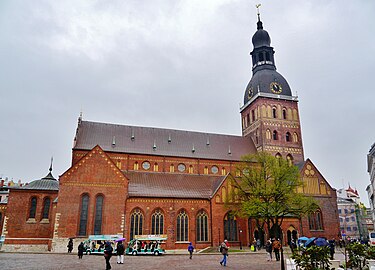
pixel 257 7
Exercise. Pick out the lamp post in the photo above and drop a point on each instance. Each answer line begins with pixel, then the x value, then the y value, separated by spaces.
pixel 240 231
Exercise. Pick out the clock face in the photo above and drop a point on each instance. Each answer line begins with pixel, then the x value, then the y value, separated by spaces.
pixel 276 87
pixel 146 165
pixel 251 92
pixel 181 167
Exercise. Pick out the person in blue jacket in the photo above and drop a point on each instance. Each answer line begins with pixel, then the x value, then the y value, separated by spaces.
pixel 191 249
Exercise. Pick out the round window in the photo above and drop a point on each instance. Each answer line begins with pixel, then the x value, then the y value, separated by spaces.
pixel 146 165
pixel 181 167
pixel 214 169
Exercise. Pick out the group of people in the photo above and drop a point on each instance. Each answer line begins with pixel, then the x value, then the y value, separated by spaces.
pixel 108 252
pixel 143 245
pixel 275 246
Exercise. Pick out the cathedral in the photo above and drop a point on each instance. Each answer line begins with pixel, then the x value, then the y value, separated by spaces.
pixel 130 180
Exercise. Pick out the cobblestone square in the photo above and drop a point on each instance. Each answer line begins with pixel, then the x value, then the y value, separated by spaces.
pixel 170 262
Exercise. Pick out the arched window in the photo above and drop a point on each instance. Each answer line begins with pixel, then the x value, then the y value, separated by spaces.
pixel 316 221
pixel 284 113
pixel 261 57
pixel 287 137
pixel 274 135
pixel 136 166
pixel 83 215
pixel 157 222
pixel 289 158
pixel 46 207
pixel 274 113
pixel 295 137
pixel 278 155
pixel 182 232
pixel 205 171
pixel 230 227
pixel 98 215
pixel 202 227
pixel 191 169
pixel 136 223
pixel 156 167
pixel 32 211
pixel 268 56
pixel 171 168
pixel 268 134
pixel 223 171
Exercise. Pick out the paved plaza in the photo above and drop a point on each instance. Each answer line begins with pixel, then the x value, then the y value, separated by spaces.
pixel 91 262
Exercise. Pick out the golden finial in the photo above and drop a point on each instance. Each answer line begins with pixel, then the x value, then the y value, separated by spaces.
pixel 258 13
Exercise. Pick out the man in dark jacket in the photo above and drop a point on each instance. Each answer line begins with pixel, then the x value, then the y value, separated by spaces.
pixel 107 255
pixel 81 248
pixel 120 253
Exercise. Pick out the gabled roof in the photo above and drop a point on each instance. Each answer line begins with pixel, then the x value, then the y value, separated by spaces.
pixel 163 142
pixel 170 185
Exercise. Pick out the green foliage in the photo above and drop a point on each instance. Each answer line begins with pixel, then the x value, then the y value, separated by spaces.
pixel 357 254
pixel 268 188
pixel 313 258
pixel 371 253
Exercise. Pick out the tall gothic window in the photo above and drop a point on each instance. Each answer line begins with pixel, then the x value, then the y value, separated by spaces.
pixel 274 114
pixel 32 211
pixel 46 207
pixel 98 215
pixel 182 234
pixel 316 221
pixel 230 227
pixel 83 215
pixel 202 227
pixel 295 137
pixel 274 135
pixel 287 137
pixel 136 223
pixel 157 222
pixel 284 113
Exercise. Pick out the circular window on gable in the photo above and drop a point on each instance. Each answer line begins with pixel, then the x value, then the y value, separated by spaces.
pixel 146 165
pixel 214 169
pixel 181 167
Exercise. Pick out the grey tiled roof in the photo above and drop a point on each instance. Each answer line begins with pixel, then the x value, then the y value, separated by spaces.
pixel 163 142
pixel 169 185
pixel 46 183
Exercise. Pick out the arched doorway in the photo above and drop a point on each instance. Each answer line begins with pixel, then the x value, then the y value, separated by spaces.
pixel 291 234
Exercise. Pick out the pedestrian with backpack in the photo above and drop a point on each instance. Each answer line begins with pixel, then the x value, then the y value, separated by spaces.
pixel 224 250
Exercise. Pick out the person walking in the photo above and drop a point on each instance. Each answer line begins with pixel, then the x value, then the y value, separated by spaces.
pixel 81 248
pixel 120 253
pixel 191 249
pixel 269 250
pixel 331 248
pixel 259 244
pixel 70 245
pixel 276 248
pixel 224 250
pixel 107 255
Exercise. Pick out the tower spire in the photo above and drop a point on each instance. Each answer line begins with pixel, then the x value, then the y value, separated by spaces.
pixel 50 167
pixel 259 23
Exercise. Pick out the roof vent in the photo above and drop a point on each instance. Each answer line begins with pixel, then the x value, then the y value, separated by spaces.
pixel 229 151
pixel 193 150
pixel 169 138
pixel 154 146
pixel 132 137
pixel 114 141
pixel 208 141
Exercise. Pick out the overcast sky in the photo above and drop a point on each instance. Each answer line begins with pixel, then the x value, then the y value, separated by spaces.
pixel 182 65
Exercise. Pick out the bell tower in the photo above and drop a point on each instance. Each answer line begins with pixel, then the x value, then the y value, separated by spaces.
pixel 270 114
